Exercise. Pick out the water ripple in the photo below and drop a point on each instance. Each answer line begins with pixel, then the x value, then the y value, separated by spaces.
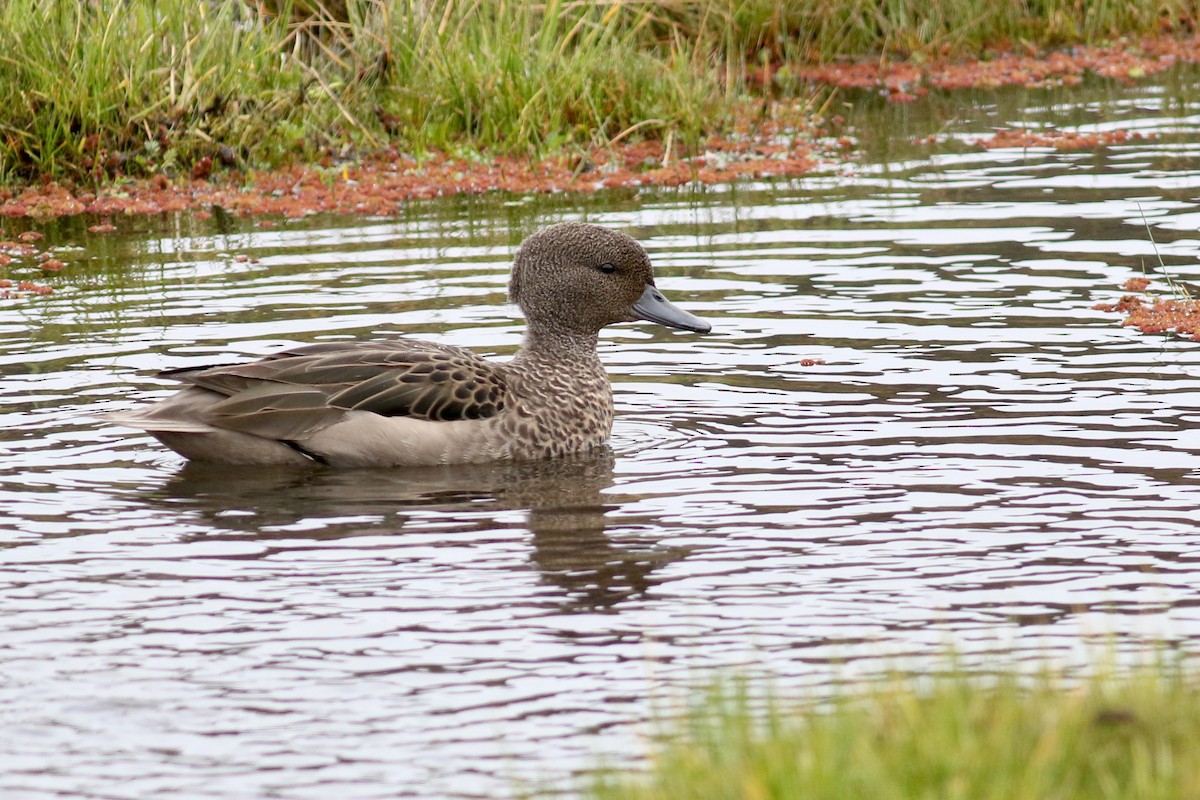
pixel 909 427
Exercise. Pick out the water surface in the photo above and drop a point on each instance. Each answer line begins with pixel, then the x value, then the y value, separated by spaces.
pixel 982 460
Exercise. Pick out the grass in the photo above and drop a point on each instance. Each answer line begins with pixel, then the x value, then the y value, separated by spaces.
pixel 155 88
pixel 117 87
pixel 952 737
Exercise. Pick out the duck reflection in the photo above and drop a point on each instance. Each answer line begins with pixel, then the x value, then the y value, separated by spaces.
pixel 564 499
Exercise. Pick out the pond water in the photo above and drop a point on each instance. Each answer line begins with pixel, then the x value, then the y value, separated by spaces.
pixel 981 461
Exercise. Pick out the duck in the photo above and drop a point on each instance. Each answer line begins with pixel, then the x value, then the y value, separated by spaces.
pixel 409 402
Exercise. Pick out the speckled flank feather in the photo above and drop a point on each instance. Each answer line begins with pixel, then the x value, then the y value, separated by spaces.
pixel 408 402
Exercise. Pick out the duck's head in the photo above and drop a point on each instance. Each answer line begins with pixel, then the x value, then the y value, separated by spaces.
pixel 579 277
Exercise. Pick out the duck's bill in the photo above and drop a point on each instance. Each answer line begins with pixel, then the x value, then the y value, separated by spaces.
pixel 652 306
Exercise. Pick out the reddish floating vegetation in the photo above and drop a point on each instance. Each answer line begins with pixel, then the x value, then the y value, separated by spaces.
pixel 905 81
pixel 25 254
pixel 1180 315
pixel 9 290
pixel 811 362
pixel 382 184
pixel 17 249
pixel 1060 140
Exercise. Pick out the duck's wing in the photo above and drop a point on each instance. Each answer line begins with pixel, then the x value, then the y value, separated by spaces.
pixel 292 394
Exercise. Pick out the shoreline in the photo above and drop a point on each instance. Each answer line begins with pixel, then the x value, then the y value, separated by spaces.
pixel 380 184
pixel 775 138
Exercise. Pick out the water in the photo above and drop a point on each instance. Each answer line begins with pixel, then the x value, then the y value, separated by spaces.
pixel 982 461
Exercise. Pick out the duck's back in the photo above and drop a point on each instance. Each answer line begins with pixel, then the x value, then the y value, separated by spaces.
pixel 372 404
pixel 284 408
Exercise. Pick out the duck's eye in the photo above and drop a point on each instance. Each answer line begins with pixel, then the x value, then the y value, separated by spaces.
pixel 607 269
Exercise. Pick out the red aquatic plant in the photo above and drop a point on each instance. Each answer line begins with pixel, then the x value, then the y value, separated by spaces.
pixel 1176 314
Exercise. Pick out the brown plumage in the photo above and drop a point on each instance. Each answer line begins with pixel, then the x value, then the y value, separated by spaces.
pixel 409 402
